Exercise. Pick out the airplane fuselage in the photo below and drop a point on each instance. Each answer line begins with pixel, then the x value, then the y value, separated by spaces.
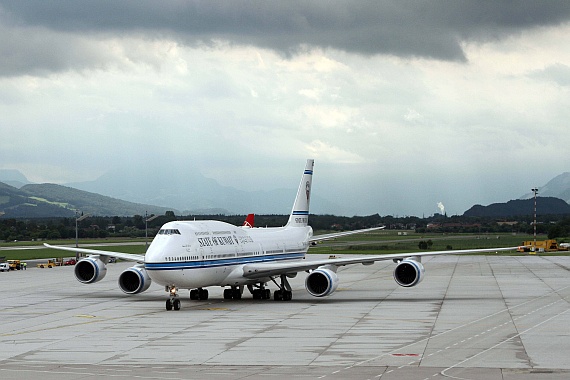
pixel 193 254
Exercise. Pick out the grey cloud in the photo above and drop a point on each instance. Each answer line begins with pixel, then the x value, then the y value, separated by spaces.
pixel 36 51
pixel 431 29
pixel 559 74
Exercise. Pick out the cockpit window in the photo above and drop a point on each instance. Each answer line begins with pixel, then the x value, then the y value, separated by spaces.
pixel 169 232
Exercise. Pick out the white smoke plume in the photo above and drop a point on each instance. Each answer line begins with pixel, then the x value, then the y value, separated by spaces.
pixel 441 208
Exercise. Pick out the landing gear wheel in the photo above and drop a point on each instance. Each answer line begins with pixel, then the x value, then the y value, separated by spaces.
pixel 284 293
pixel 233 293
pixel 173 301
pixel 199 294
pixel 260 292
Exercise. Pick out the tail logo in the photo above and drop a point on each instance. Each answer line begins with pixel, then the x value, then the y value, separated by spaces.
pixel 308 189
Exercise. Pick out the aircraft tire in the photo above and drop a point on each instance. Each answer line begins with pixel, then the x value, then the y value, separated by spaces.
pixel 278 295
pixel 176 305
pixel 168 305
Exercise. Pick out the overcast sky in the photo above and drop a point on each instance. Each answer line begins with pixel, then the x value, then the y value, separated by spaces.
pixel 403 104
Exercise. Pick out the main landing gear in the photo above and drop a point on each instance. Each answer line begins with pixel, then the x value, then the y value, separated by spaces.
pixel 260 293
pixel 199 294
pixel 173 302
pixel 285 293
pixel 234 293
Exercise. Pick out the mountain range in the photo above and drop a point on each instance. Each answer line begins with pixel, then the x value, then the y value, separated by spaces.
pixel 13 178
pixel 193 193
pixel 518 207
pixel 49 200
pixel 156 190
pixel 553 199
pixel 558 187
pixel 122 193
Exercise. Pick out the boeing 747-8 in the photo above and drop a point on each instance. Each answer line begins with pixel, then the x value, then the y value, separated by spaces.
pixel 195 255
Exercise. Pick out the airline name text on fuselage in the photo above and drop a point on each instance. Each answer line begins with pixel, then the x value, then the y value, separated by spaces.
pixel 216 240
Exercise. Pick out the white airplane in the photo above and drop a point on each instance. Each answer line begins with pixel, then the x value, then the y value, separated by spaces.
pixel 195 255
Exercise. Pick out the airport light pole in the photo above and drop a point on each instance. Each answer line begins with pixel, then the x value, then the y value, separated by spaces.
pixel 77 220
pixel 146 220
pixel 535 191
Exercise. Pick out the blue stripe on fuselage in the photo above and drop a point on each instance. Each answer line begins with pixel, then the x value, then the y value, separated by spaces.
pixel 221 262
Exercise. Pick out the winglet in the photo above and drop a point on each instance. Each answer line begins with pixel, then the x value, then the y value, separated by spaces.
pixel 300 214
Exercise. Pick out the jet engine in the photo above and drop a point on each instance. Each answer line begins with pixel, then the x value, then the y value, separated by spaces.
pixel 134 280
pixel 409 273
pixel 321 282
pixel 90 270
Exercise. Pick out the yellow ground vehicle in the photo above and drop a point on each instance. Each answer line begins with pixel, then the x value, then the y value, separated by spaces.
pixel 549 245
pixel 49 264
pixel 14 264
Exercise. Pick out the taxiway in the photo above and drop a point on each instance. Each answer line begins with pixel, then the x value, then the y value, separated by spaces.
pixel 473 317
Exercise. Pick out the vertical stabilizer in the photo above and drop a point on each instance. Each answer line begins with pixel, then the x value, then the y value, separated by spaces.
pixel 249 221
pixel 300 214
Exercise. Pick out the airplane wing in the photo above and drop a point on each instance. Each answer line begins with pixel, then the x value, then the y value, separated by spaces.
pixel 335 235
pixel 260 270
pixel 119 255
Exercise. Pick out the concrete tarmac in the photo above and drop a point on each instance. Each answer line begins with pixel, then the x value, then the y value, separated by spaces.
pixel 473 317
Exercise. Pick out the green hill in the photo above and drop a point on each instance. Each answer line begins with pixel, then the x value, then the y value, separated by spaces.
pixel 545 206
pixel 50 200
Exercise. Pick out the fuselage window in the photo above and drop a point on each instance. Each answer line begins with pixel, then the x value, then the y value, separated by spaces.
pixel 169 232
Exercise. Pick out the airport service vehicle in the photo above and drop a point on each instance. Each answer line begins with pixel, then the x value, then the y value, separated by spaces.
pixel 195 255
pixel 49 264
pixel 549 245
pixel 14 264
pixel 4 267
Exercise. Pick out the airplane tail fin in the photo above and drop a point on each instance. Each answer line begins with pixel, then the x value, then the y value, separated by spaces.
pixel 249 221
pixel 300 214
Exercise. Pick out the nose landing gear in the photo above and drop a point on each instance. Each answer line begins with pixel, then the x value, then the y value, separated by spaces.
pixel 173 302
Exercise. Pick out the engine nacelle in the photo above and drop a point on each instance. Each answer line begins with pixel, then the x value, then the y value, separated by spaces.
pixel 90 270
pixel 321 282
pixel 409 273
pixel 134 280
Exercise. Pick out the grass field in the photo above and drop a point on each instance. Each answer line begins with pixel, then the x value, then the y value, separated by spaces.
pixel 137 247
pixel 380 242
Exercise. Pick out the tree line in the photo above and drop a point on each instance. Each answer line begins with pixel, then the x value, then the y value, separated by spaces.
pixel 137 226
